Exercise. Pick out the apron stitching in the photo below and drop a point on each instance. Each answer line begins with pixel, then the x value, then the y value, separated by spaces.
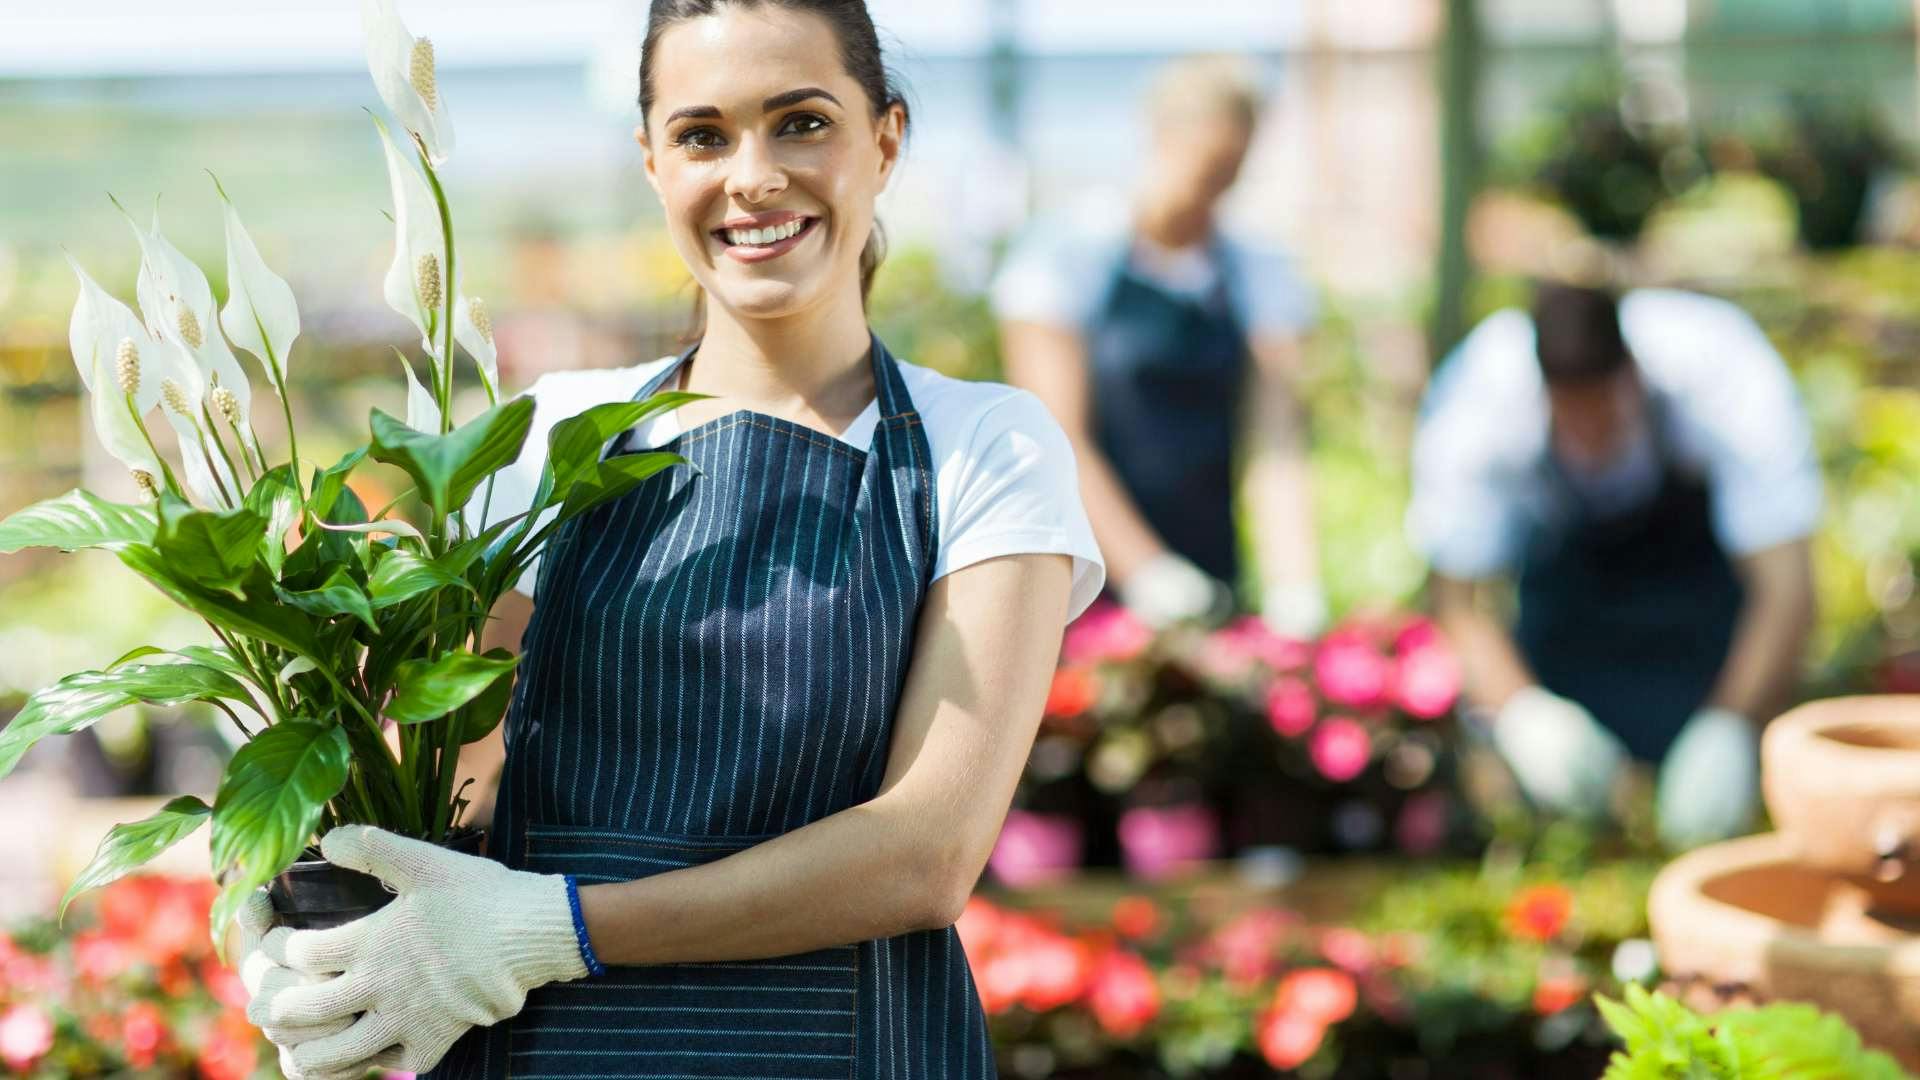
pixel 800 431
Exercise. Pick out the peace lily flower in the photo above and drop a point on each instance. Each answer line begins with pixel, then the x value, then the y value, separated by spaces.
pixel 117 359
pixel 473 329
pixel 414 282
pixel 423 413
pixel 403 72
pixel 261 315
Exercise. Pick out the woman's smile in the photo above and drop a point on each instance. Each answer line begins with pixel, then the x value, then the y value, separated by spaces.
pixel 756 238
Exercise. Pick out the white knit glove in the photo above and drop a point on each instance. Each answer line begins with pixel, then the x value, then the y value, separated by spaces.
pixel 1563 758
pixel 263 979
pixel 459 947
pixel 1710 780
pixel 1167 589
pixel 1295 608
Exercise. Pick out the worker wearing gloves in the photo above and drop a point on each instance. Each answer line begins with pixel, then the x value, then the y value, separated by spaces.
pixel 1167 347
pixel 1642 472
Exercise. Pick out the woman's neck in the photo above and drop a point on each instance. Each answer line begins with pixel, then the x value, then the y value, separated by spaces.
pixel 810 367
pixel 1169 227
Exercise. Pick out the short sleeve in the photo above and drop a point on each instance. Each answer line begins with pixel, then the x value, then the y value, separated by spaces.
pixel 1053 276
pixel 1275 298
pixel 1011 487
pixel 1467 517
pixel 1740 414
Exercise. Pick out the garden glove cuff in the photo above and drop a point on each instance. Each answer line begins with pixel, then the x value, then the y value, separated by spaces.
pixel 1710 780
pixel 1564 760
pixel 460 946
pixel 1295 608
pixel 1167 589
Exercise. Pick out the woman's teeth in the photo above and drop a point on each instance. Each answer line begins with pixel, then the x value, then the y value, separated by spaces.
pixel 763 237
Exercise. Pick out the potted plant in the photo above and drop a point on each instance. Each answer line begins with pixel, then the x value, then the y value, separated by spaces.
pixel 332 623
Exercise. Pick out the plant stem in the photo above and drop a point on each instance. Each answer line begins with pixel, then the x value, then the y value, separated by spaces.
pixel 173 484
pixel 265 684
pixel 213 432
pixel 235 717
pixel 444 391
pixel 286 409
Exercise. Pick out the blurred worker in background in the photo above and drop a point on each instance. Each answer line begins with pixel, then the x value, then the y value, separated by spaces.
pixel 1167 346
pixel 1643 472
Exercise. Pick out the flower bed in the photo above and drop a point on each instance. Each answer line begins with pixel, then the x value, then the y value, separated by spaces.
pixel 1161 751
pixel 1436 972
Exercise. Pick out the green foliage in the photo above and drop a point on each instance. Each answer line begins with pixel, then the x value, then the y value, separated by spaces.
pixel 446 468
pixel 1667 1041
pixel 131 846
pixel 75 521
pixel 80 700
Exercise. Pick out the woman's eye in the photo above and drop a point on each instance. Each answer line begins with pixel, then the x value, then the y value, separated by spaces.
pixel 700 138
pixel 804 124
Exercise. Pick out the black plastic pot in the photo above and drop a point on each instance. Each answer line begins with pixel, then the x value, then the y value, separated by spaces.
pixel 314 894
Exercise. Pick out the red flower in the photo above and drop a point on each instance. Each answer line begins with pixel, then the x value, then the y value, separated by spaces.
pixel 99 957
pixel 1073 692
pixel 1291 706
pixel 232 1048
pixel 1105 632
pixel 1123 994
pixel 1244 947
pixel 26 1033
pixel 1348 949
pixel 1324 995
pixel 1351 670
pixel 1135 917
pixel 1540 912
pixel 1340 749
pixel 1559 993
pixel 1059 973
pixel 143 1030
pixel 223 983
pixel 174 979
pixel 1287 1040
pixel 1429 682
pixel 978 925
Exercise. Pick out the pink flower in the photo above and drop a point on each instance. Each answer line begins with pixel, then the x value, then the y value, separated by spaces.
pixel 1035 848
pixel 1291 706
pixel 1348 949
pixel 26 1033
pixel 1287 1040
pixel 142 1032
pixel 1422 825
pixel 1429 682
pixel 1351 671
pixel 1158 842
pixel 1323 994
pixel 1340 748
pixel 1245 947
pixel 978 927
pixel 1105 632
pixel 232 1048
pixel 1251 639
pixel 99 957
pixel 1419 633
pixel 1123 995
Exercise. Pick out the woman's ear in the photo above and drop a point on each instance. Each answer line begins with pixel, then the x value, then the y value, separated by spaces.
pixel 646 158
pixel 890 133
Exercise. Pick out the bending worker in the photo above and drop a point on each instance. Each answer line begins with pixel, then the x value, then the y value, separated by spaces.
pixel 1166 348
pixel 1643 472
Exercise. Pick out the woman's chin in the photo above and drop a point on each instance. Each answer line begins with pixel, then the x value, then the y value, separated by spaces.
pixel 763 299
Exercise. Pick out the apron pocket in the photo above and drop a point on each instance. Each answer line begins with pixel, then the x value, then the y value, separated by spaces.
pixel 789 1018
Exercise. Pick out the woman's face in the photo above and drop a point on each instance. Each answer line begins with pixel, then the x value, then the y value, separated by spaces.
pixel 766 156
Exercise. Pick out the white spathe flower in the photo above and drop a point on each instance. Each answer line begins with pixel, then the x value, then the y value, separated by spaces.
pixel 423 413
pixel 261 315
pixel 414 282
pixel 473 329
pixel 178 305
pixel 100 326
pixel 404 74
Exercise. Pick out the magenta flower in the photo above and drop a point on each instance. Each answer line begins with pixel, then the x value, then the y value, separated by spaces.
pixel 1351 671
pixel 1035 848
pixel 1106 632
pixel 1291 706
pixel 1255 639
pixel 1429 682
pixel 1160 841
pixel 1422 825
pixel 1340 748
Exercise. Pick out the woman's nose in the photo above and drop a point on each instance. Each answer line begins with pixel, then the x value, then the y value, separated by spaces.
pixel 754 175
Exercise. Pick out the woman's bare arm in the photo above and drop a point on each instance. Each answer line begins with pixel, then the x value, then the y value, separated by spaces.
pixel 908 858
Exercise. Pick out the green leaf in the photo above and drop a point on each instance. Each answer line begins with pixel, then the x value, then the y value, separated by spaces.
pixel 446 468
pixel 75 521
pixel 80 700
pixel 328 483
pixel 339 595
pixel 213 549
pixel 137 653
pixel 574 444
pixel 401 575
pixel 130 846
pixel 267 620
pixel 427 690
pixel 613 478
pixel 276 498
pixel 485 711
pixel 268 805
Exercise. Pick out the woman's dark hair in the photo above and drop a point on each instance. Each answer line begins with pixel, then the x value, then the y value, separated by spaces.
pixel 1577 333
pixel 859 52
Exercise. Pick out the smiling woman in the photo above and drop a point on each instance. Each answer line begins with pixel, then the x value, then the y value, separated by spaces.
pixel 772 704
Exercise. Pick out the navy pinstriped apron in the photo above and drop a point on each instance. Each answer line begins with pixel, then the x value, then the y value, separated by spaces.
pixel 714 660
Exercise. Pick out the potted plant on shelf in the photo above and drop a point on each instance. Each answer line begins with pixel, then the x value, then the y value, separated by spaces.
pixel 331 624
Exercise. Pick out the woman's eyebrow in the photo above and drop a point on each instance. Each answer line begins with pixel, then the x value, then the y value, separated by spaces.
pixel 694 112
pixel 795 97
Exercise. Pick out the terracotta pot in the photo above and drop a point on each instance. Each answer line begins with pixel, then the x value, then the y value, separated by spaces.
pixel 1842 781
pixel 1745 916
pixel 314 894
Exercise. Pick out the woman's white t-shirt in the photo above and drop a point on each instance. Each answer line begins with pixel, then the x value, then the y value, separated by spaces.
pixel 1005 479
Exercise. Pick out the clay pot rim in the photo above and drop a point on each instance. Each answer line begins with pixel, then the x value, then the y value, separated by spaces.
pixel 1804 730
pixel 1680 884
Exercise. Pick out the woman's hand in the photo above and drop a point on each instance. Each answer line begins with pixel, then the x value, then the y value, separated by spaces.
pixel 263 979
pixel 460 945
